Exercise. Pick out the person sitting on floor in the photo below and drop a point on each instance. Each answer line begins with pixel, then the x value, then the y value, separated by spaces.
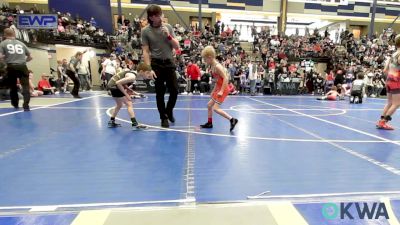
pixel 232 89
pixel 34 93
pixel 44 85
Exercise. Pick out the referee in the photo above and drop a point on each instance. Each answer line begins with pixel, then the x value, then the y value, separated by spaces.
pixel 158 41
pixel 16 55
pixel 72 72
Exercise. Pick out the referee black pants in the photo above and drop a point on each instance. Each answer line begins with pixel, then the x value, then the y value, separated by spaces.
pixel 15 72
pixel 77 84
pixel 166 78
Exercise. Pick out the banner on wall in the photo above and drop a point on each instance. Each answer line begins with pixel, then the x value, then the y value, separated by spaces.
pixel 37 21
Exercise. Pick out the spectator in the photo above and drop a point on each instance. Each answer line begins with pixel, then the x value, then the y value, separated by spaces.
pixel 44 85
pixel 232 89
pixel 109 67
pixel 252 77
pixel 193 73
pixel 205 83
pixel 339 78
pixel 378 86
pixel 83 74
pixel 231 71
pixel 368 80
pixel 34 93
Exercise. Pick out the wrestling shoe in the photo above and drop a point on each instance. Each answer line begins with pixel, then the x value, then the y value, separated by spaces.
pixel 138 127
pixel 233 121
pixel 382 124
pixel 207 125
pixel 113 124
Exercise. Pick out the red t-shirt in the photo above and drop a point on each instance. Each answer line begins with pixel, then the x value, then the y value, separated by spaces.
pixel 292 68
pixel 193 72
pixel 330 77
pixel 282 55
pixel 317 48
pixel 43 84
pixel 271 65
pixel 187 43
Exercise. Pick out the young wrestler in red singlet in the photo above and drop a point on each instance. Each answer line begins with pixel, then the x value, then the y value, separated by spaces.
pixel 220 92
pixel 392 69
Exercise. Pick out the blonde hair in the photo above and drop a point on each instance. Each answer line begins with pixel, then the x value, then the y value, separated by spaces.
pixel 143 67
pixel 208 51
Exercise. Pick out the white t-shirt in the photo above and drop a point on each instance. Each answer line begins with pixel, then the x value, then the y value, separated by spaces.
pixel 82 69
pixel 250 65
pixel 368 79
pixel 275 43
pixel 252 72
pixel 110 66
